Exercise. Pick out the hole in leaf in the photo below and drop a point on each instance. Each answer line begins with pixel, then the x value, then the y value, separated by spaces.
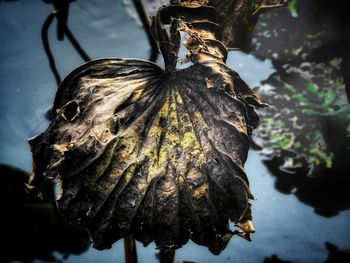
pixel 162 122
pixel 119 123
pixel 216 160
pixel 71 110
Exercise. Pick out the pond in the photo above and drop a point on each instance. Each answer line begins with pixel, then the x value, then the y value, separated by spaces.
pixel 286 226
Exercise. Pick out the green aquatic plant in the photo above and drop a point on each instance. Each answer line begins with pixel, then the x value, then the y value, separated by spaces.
pixel 314 100
pixel 297 132
pixel 336 62
pixel 292 6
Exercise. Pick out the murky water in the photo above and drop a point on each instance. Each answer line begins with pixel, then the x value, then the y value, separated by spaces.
pixel 285 226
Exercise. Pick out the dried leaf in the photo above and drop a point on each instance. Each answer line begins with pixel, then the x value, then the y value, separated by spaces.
pixel 150 153
pixel 237 18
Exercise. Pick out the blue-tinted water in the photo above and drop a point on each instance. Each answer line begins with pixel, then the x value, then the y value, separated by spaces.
pixel 284 225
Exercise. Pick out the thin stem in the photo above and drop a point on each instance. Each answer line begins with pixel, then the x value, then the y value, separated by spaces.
pixel 167 255
pixel 46 44
pixel 265 7
pixel 147 25
pixel 130 250
pixel 75 43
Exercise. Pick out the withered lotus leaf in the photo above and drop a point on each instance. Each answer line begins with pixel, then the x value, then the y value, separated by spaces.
pixel 237 18
pixel 155 154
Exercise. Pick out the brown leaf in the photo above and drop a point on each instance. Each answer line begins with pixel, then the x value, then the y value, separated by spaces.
pixel 155 154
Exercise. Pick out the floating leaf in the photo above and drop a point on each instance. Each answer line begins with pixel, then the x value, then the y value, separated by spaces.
pixel 311 36
pixel 335 63
pixel 266 33
pixel 314 89
pixel 292 6
pixel 310 112
pixel 329 98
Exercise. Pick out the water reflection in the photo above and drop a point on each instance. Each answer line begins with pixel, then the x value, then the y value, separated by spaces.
pixel 275 259
pixel 31 228
pixel 337 255
pixel 307 132
pixel 307 51
pixel 328 194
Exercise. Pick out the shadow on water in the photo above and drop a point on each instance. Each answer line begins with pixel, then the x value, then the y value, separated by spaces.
pixel 310 107
pixel 327 194
pixel 335 255
pixel 275 259
pixel 31 228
